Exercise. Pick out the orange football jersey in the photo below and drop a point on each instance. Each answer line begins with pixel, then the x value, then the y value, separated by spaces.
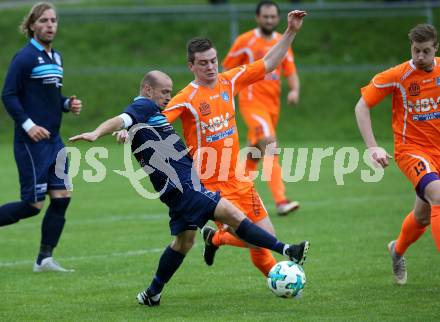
pixel 248 48
pixel 208 120
pixel 416 103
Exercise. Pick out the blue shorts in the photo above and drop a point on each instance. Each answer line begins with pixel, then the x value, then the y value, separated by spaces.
pixel 191 208
pixel 37 168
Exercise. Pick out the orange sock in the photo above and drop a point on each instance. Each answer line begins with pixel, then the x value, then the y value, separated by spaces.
pixel 262 259
pixel 410 232
pixel 224 238
pixel 435 225
pixel 276 184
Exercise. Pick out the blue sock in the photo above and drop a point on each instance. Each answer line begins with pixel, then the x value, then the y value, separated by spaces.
pixel 254 235
pixel 12 212
pixel 168 264
pixel 52 226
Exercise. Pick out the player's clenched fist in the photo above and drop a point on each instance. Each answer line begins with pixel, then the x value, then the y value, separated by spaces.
pixel 295 20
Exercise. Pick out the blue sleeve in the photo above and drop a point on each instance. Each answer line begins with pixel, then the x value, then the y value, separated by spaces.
pixel 140 112
pixel 12 88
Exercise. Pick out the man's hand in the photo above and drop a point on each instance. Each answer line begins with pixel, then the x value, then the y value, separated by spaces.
pixel 38 133
pixel 379 156
pixel 121 136
pixel 295 20
pixel 293 97
pixel 75 105
pixel 89 136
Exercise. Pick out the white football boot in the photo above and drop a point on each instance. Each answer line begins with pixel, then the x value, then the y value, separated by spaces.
pixel 48 264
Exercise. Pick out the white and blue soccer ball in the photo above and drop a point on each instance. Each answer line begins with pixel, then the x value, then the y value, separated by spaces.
pixel 286 279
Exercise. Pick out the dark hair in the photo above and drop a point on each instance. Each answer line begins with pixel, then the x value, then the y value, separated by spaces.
pixel 423 33
pixel 266 3
pixel 197 45
pixel 34 14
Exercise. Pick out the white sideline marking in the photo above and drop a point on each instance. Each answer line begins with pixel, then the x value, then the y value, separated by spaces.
pixel 81 258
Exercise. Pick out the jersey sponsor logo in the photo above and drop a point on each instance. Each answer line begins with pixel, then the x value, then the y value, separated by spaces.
pixel 423 105
pixel 52 80
pixel 220 135
pixel 426 117
pixel 215 124
pixel 205 108
pixel 426 81
pixel 40 60
pixel 414 89
pixel 225 96
pixel 213 97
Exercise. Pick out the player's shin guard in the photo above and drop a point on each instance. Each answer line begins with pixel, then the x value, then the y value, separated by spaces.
pixel 262 259
pixel 435 225
pixel 12 212
pixel 254 235
pixel 52 226
pixel 410 232
pixel 168 264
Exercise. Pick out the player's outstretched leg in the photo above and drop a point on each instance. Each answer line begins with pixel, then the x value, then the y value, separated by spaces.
pixel 399 264
pixel 228 214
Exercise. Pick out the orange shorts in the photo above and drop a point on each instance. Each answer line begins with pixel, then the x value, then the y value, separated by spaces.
pixel 260 123
pixel 415 163
pixel 243 195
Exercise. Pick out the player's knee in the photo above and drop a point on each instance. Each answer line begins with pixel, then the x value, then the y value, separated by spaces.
pixel 55 194
pixel 59 205
pixel 423 220
pixel 228 214
pixel 183 242
pixel 28 210
pixel 39 205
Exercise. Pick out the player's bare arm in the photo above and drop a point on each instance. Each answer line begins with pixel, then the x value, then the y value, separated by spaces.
pixel 274 56
pixel 293 95
pixel 111 125
pixel 378 155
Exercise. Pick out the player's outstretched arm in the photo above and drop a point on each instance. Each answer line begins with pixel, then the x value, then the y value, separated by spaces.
pixel 378 155
pixel 276 54
pixel 107 127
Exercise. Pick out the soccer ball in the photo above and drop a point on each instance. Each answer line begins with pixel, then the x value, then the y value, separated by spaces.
pixel 286 279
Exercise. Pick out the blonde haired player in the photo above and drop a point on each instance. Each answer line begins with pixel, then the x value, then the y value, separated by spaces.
pixel 415 88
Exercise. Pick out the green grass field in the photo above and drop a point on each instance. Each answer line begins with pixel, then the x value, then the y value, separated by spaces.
pixel 113 239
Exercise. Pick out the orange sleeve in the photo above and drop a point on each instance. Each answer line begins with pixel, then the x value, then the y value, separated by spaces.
pixel 288 64
pixel 380 86
pixel 174 109
pixel 236 55
pixel 245 75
